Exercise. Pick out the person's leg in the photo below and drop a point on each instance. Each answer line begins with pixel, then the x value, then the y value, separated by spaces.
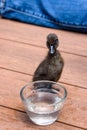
pixel 59 14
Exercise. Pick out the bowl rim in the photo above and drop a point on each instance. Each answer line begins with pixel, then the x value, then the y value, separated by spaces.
pixel 32 82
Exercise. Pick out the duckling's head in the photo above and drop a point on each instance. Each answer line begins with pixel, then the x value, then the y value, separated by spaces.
pixel 52 43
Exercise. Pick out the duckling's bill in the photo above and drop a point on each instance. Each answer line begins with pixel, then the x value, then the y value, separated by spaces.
pixel 52 50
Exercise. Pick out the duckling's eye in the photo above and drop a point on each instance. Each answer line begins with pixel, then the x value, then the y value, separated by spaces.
pixel 56 43
pixel 48 44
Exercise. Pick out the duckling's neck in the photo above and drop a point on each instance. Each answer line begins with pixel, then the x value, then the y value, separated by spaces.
pixel 54 56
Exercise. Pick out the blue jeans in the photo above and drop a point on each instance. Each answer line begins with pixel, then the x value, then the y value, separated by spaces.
pixel 58 14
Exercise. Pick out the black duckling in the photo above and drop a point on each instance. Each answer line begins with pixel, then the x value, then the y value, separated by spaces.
pixel 51 67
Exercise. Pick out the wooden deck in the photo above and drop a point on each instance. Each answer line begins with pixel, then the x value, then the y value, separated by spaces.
pixel 22 48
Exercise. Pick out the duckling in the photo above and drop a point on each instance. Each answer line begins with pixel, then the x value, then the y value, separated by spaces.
pixel 51 67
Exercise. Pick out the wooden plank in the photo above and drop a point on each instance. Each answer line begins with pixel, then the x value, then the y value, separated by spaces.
pixel 69 41
pixel 75 108
pixel 15 120
pixel 25 58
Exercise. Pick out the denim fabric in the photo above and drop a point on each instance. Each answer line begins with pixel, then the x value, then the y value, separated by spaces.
pixel 59 14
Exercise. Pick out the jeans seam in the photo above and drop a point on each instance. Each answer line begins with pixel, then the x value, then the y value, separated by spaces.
pixel 48 20
pixel 2 6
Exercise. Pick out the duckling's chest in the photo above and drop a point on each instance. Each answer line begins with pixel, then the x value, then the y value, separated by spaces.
pixel 53 61
pixel 54 64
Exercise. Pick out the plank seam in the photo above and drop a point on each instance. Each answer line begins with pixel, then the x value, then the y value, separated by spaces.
pixel 32 75
pixel 25 43
pixel 56 121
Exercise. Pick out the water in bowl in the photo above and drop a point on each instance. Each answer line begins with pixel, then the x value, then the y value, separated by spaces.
pixel 43 107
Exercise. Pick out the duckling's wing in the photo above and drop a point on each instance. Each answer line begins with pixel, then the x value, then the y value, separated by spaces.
pixel 41 72
pixel 59 70
pixel 55 70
